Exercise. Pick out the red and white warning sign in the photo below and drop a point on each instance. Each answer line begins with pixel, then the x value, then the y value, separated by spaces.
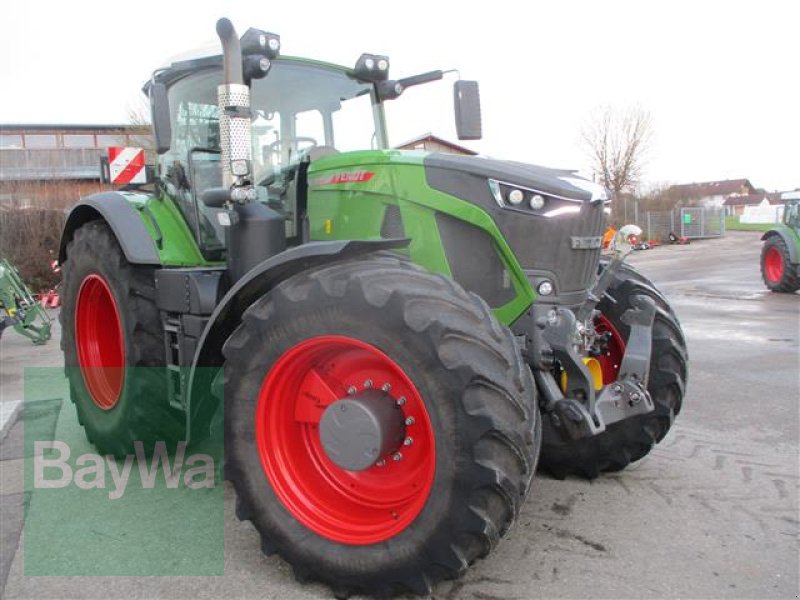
pixel 126 165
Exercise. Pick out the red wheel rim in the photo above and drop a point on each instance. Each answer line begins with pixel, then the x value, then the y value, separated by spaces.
pixel 615 349
pixel 350 507
pixel 773 264
pixel 98 338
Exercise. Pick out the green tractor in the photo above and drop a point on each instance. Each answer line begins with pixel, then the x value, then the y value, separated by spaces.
pixel 391 337
pixel 780 254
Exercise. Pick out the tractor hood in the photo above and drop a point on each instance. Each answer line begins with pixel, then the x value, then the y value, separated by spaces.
pixel 560 183
pixel 554 182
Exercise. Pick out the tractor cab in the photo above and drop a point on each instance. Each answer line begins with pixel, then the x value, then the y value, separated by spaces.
pixel 791 211
pixel 300 112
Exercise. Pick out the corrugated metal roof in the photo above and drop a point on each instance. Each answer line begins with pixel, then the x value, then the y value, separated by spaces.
pixel 31 164
pixel 37 174
pixel 67 126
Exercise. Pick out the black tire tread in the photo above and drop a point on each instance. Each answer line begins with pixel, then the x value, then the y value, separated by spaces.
pixel 471 343
pixel 790 282
pixel 150 418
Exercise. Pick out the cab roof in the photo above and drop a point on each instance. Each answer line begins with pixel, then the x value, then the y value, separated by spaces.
pixel 181 68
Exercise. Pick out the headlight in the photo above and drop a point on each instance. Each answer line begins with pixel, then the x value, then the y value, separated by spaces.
pixel 372 67
pixel 545 288
pixel 531 201
pixel 516 197
pixel 240 168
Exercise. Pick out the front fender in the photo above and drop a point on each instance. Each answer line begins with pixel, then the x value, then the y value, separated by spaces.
pixel 257 282
pixel 789 238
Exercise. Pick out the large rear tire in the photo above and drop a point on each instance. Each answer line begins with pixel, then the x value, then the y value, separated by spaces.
pixel 113 346
pixel 631 439
pixel 777 270
pixel 423 511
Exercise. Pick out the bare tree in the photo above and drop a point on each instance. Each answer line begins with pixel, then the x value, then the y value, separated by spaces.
pixel 139 111
pixel 617 140
pixel 139 119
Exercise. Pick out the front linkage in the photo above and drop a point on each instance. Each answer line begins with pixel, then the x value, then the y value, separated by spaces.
pixel 22 311
pixel 577 407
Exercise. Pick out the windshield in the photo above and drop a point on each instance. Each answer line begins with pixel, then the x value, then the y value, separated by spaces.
pixel 296 107
pixel 792 214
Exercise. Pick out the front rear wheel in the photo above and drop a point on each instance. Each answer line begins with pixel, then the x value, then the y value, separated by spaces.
pixel 631 439
pixel 381 427
pixel 113 349
pixel 777 270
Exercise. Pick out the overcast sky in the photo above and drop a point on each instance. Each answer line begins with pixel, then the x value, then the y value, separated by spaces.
pixel 721 79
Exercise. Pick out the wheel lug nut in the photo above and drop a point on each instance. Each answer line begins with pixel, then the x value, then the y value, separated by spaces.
pixel 386 387
pixel 352 390
pixel 408 441
pixel 380 463
pixel 410 421
pixel 397 456
pixel 401 401
pixel 368 383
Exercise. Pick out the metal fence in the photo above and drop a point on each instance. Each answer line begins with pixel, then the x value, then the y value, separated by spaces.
pixel 693 223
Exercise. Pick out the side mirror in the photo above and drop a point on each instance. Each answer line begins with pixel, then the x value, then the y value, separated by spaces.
pixel 467 104
pixel 159 116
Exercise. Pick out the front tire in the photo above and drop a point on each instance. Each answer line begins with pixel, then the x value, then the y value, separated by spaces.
pixel 777 270
pixel 113 347
pixel 629 440
pixel 384 324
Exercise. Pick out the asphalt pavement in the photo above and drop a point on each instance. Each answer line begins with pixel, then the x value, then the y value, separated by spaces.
pixel 712 512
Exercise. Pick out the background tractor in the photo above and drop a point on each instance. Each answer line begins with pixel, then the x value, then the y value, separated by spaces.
pixel 780 254
pixel 390 336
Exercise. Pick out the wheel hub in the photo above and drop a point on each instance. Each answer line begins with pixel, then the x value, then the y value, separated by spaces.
pixel 357 431
pixel 774 265
pixel 357 507
pixel 99 341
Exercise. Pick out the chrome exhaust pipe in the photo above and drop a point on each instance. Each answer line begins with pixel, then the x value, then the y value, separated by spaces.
pixel 233 97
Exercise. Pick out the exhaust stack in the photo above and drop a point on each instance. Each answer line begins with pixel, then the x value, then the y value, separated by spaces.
pixel 233 97
pixel 253 231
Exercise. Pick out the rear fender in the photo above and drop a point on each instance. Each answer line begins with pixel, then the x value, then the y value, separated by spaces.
pixel 789 238
pixel 136 242
pixel 200 404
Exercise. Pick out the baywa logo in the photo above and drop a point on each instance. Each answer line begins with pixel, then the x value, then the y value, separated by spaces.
pixel 105 472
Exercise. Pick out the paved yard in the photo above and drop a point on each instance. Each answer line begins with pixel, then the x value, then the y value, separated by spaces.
pixel 711 513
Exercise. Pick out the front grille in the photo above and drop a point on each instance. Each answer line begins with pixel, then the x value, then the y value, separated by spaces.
pixel 544 245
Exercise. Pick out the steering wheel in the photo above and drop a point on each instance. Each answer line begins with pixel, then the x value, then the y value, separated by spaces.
pixel 276 146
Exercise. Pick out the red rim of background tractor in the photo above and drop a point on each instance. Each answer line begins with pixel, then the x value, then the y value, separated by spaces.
pixel 99 341
pixel 773 264
pixel 610 362
pixel 350 507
